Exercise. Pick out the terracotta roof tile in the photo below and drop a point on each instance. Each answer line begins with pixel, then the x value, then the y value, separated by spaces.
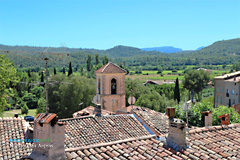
pixel 13 128
pixel 110 68
pixel 94 130
pixel 158 121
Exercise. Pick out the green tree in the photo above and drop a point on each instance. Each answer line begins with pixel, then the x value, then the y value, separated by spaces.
pixel 54 71
pixel 41 108
pixel 89 59
pixel 42 79
pixel 105 60
pixel 31 100
pixel 97 59
pixel 64 98
pixel 29 72
pixel 24 109
pixel 37 91
pixel 70 69
pixel 196 80
pixel 177 91
pixel 7 74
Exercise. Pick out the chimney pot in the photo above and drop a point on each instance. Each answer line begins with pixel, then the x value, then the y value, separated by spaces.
pixel 171 112
pixel 208 118
pixel 98 110
pixel 224 119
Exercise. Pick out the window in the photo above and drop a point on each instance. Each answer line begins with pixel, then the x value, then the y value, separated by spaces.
pixel 99 86
pixel 227 94
pixel 221 100
pixel 221 89
pixel 113 86
pixel 217 89
pixel 217 99
pixel 232 92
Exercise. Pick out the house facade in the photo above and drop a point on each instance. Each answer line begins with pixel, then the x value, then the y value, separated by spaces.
pixel 226 89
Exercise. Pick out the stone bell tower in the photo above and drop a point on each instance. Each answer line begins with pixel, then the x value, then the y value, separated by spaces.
pixel 110 87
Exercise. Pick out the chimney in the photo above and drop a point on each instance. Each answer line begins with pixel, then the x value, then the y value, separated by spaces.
pixel 48 138
pixel 176 138
pixel 171 112
pixel 98 110
pixel 224 119
pixel 208 118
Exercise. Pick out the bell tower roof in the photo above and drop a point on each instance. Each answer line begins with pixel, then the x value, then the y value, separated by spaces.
pixel 110 68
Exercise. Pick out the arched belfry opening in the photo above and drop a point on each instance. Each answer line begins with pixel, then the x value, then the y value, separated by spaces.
pixel 113 86
pixel 99 86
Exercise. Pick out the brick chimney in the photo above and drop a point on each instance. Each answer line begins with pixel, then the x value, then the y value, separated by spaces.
pixel 208 118
pixel 49 138
pixel 224 119
pixel 176 138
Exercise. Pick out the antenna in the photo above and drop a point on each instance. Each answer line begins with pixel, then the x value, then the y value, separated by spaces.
pixel 46 59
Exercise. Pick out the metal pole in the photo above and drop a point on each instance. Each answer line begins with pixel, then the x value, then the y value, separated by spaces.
pixel 47 109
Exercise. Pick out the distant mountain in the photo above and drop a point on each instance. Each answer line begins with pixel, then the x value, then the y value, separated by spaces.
pixel 199 48
pixel 165 49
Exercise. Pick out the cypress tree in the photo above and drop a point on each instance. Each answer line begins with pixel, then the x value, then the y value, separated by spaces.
pixel 64 70
pixel 54 70
pixel 29 73
pixel 70 69
pixel 176 91
pixel 42 80
pixel 89 63
pixel 97 59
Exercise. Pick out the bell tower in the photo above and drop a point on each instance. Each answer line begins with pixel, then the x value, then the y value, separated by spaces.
pixel 110 87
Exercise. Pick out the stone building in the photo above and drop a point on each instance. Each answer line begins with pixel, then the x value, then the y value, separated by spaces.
pixel 110 87
pixel 226 89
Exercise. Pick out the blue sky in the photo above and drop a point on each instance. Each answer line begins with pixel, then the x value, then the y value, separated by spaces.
pixel 103 24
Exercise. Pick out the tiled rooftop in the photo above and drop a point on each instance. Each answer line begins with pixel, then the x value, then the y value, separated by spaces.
pixel 110 68
pixel 94 130
pixel 158 121
pixel 89 111
pixel 13 128
pixel 214 143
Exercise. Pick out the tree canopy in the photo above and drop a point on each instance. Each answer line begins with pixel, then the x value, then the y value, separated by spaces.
pixel 7 75
pixel 196 80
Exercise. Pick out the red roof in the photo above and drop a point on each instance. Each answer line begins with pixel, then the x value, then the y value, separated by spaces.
pixel 110 68
pixel 45 117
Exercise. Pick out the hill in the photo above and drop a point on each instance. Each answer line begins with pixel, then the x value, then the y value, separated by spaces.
pixel 165 49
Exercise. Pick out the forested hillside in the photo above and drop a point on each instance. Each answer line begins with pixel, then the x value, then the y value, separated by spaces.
pixel 219 53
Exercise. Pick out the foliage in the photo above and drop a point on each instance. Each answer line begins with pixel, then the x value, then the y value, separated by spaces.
pixel 196 118
pixel 105 60
pixel 24 109
pixel 31 100
pixel 89 63
pixel 234 116
pixel 54 71
pixel 70 69
pixel 41 108
pixel 7 74
pixel 64 98
pixel 176 91
pixel 196 80
pixel 37 91
pixel 97 59
pixel 147 96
